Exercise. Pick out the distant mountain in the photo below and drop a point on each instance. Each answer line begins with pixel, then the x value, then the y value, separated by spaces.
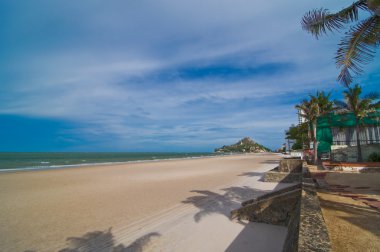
pixel 246 145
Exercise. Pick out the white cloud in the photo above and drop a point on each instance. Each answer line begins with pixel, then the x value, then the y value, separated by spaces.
pixel 88 73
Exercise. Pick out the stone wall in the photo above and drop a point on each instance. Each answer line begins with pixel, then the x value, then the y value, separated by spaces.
pixel 281 177
pixel 288 171
pixel 271 194
pixel 291 240
pixel 290 165
pixel 344 153
pixel 313 234
pixel 274 210
pixel 296 207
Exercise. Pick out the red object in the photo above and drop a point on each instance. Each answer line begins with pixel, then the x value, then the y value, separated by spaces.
pixel 351 164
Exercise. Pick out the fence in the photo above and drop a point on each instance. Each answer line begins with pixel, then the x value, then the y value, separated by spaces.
pixel 347 135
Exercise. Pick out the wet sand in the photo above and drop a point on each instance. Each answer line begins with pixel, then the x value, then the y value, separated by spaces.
pixel 152 206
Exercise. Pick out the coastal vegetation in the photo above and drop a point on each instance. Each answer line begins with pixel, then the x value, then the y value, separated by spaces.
pixel 245 145
pixel 315 106
pixel 374 157
pixel 356 48
pixel 360 106
pixel 299 133
pixel 359 43
pixel 311 109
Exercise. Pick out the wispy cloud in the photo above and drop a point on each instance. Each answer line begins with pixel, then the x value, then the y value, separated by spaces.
pixel 165 74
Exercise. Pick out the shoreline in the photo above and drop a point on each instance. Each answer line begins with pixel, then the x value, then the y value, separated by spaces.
pixel 86 165
pixel 192 197
pixel 56 167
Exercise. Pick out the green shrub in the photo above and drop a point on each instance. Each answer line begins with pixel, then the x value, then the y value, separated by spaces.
pixel 374 157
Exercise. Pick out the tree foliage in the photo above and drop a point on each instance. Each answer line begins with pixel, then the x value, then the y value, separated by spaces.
pixel 361 106
pixel 311 109
pixel 244 145
pixel 300 134
pixel 358 45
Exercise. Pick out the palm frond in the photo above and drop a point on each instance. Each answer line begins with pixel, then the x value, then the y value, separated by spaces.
pixel 352 97
pixel 345 76
pixel 319 21
pixel 360 106
pixel 357 48
pixel 325 105
pixel 376 105
pixel 307 109
pixel 364 108
pixel 372 96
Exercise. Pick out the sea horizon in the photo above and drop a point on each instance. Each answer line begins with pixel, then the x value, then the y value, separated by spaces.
pixel 17 161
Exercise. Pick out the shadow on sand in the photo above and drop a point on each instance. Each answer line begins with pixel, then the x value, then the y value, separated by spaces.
pixel 253 174
pixel 103 241
pixel 258 237
pixel 270 161
pixel 362 217
pixel 222 203
pixel 253 236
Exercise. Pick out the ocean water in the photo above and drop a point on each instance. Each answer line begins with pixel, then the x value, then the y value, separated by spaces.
pixel 45 160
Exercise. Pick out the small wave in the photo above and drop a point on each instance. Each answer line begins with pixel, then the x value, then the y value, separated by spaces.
pixel 45 165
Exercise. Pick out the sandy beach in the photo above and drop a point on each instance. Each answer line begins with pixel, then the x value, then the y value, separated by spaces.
pixel 176 205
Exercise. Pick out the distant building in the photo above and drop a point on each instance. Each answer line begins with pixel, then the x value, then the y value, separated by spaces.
pixel 301 119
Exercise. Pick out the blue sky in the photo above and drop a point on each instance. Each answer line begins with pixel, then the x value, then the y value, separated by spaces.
pixel 163 75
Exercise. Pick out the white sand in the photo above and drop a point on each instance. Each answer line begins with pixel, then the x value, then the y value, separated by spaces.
pixel 180 205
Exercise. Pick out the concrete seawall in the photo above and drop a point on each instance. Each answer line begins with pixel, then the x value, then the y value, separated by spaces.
pixel 296 207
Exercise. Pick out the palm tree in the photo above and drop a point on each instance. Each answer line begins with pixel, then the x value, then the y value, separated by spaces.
pixel 308 110
pixel 311 109
pixel 360 107
pixel 358 45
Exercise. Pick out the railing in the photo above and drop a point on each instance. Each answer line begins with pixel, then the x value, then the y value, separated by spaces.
pixel 354 143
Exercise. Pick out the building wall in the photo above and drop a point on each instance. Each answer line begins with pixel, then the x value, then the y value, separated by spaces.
pixel 301 119
pixel 347 135
pixel 336 135
pixel 345 153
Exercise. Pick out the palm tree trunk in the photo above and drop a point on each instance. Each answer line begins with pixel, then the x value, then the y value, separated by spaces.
pixel 310 135
pixel 315 143
pixel 357 128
